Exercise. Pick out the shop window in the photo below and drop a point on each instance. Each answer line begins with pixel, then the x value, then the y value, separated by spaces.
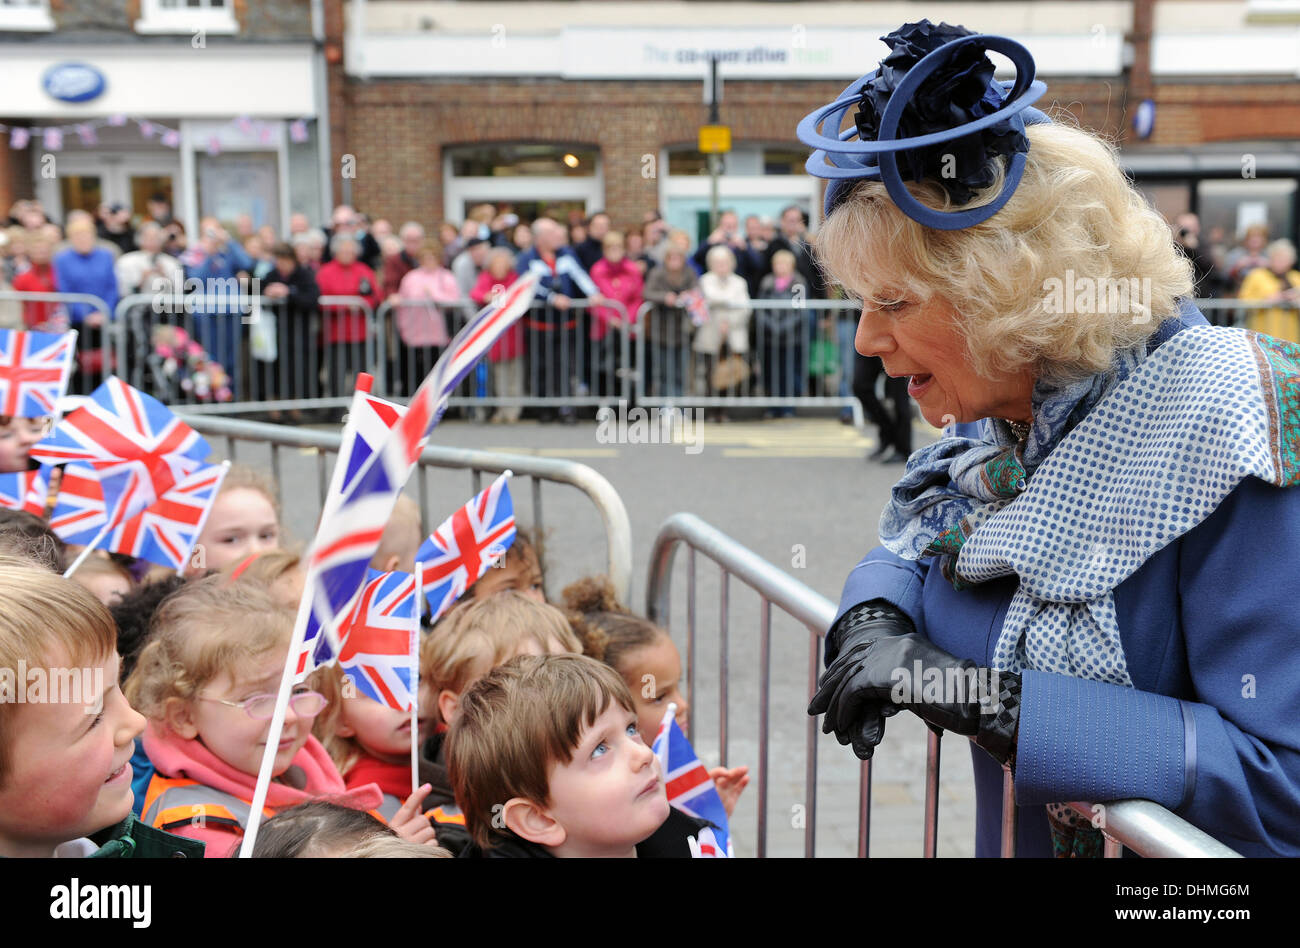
pixel 187 16
pixel 25 15
pixel 1228 207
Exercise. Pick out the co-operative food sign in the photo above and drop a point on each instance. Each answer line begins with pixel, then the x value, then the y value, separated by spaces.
pixel 73 82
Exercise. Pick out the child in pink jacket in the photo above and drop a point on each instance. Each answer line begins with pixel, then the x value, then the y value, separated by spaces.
pixel 207 682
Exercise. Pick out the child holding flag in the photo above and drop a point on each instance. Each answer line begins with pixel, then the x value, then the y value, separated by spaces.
pixel 647 658
pixel 206 684
pixel 474 639
pixel 546 760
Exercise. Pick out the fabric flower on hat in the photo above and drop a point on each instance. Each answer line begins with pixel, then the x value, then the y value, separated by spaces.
pixel 959 91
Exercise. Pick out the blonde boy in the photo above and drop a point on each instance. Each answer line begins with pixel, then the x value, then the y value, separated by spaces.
pixel 65 750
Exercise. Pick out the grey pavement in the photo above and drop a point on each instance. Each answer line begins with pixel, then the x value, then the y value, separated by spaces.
pixel 775 486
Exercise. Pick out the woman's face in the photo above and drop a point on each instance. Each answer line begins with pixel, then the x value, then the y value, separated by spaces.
pixel 921 340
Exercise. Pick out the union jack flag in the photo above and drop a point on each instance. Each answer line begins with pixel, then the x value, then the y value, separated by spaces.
pixel 78 515
pixel 354 520
pixel 138 447
pixel 369 422
pixel 378 640
pixel 34 370
pixel 460 551
pixel 690 789
pixel 165 532
pixel 16 492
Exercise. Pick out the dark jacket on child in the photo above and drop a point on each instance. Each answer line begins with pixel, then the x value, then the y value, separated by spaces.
pixel 440 804
pixel 132 839
pixel 669 841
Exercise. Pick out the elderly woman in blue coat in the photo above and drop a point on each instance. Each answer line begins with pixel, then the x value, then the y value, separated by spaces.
pixel 1111 549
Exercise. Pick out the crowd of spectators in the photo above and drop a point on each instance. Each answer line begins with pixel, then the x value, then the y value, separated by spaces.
pixel 693 302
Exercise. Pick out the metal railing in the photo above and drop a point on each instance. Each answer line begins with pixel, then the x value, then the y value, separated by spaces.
pixel 1145 827
pixel 550 358
pixel 617 528
pixel 797 353
pixel 96 347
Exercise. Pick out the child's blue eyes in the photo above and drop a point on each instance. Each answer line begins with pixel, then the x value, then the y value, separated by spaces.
pixel 602 747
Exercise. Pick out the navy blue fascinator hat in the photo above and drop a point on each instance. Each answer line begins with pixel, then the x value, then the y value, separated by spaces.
pixel 931 111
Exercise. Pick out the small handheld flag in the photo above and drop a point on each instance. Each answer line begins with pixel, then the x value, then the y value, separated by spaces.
pixel 353 522
pixel 139 448
pixel 466 545
pixel 34 371
pixel 165 532
pixel 690 789
pixel 78 515
pixel 18 491
pixel 376 639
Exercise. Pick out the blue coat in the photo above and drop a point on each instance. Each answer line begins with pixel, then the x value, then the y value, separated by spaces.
pixel 89 273
pixel 1211 729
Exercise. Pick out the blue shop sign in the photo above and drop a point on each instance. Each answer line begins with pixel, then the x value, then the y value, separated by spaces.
pixel 74 82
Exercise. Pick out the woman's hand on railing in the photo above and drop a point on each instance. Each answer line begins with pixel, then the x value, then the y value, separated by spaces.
pixel 874 676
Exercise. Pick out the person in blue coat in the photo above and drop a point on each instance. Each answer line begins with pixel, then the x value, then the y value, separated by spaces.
pixel 1091 573
pixel 558 347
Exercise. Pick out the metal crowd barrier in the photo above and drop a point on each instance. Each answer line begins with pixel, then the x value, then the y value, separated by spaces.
pixel 96 348
pixel 558 361
pixel 1145 827
pixel 618 530
pixel 798 353
pixel 273 356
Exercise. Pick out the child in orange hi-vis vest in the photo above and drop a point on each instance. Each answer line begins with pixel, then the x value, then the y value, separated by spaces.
pixel 207 682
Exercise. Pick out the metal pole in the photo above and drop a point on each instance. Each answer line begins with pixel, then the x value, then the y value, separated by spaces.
pixel 715 162
pixel 931 794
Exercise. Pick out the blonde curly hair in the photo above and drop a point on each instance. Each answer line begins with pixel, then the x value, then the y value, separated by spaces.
pixel 1074 220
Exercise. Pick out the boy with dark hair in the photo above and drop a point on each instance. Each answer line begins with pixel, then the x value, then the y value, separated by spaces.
pixel 546 760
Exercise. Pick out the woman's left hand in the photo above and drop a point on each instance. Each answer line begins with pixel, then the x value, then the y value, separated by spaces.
pixel 731 783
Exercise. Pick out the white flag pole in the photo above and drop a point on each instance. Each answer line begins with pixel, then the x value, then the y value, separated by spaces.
pixel 415 681
pixel 81 557
pixel 203 520
pixel 296 640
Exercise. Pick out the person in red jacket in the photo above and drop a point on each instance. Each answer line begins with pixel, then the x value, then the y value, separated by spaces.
pixel 344 328
pixel 618 279
pixel 40 278
pixel 506 357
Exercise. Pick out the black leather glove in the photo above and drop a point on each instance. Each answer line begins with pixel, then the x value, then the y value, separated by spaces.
pixel 879 664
